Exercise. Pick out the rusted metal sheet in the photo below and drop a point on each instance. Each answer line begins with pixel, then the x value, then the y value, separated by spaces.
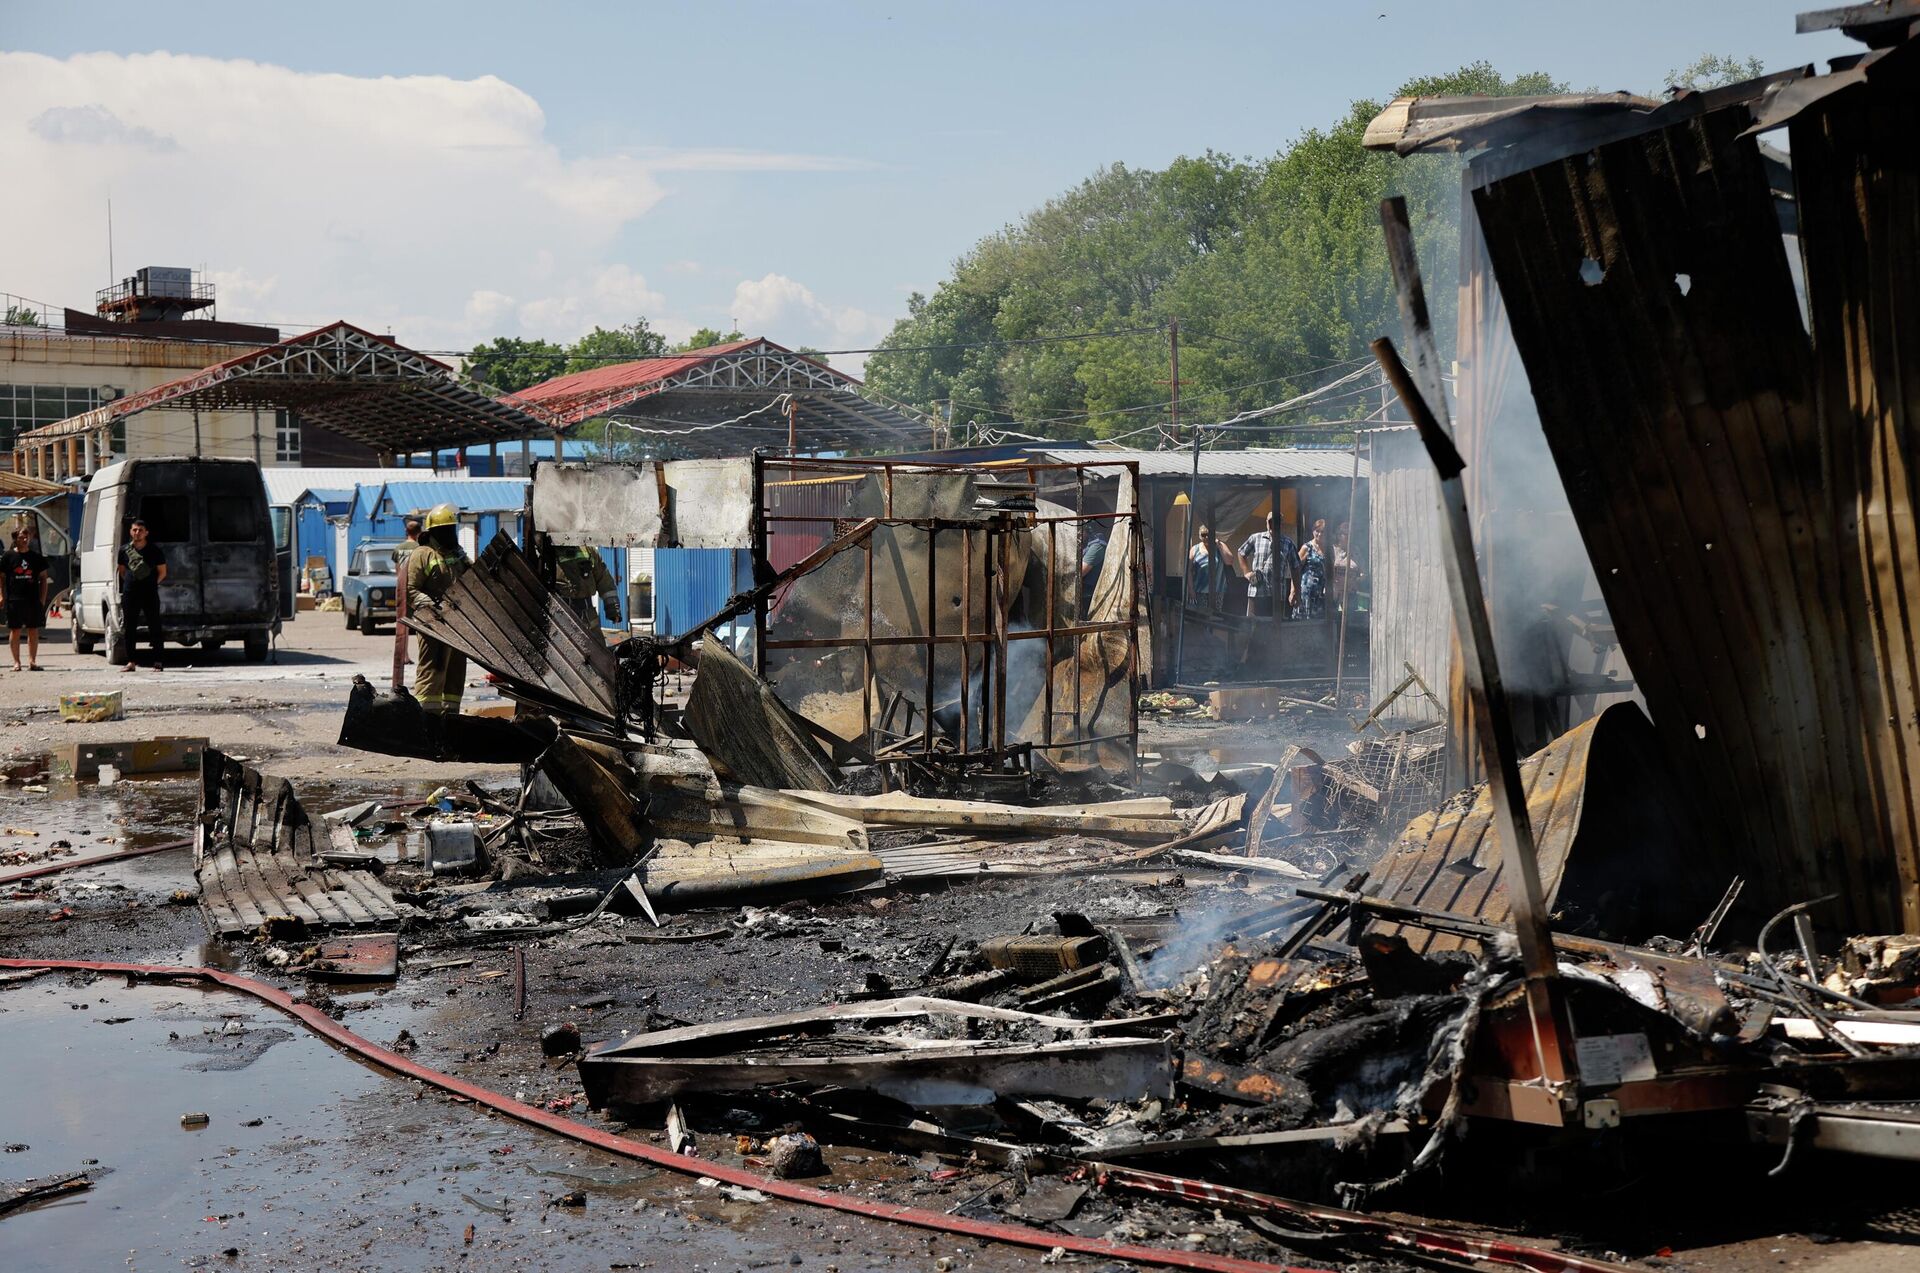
pixel 1614 839
pixel 1858 182
pixel 1650 297
pixel 255 856
pixel 502 617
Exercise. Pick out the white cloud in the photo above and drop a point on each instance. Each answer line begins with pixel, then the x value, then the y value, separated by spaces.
pixel 95 125
pixel 432 207
pixel 610 296
pixel 787 311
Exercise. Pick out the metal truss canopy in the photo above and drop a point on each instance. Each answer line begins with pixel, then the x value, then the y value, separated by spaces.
pixel 675 403
pixel 362 386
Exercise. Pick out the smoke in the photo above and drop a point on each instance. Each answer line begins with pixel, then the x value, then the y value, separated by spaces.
pixel 1537 567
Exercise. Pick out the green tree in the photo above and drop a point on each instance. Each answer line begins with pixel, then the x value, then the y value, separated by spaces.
pixel 22 316
pixel 703 338
pixel 1712 70
pixel 1276 269
pixel 603 346
pixel 512 363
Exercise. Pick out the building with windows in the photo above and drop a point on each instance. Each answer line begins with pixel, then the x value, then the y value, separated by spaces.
pixel 147 330
pixel 50 373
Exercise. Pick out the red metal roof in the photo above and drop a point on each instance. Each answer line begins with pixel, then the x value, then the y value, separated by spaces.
pixel 601 389
pixel 627 375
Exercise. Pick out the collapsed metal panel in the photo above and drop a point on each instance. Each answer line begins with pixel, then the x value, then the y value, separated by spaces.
pixel 501 616
pixel 1613 833
pixel 1650 298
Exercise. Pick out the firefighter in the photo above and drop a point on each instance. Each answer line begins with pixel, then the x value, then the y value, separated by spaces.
pixel 440 671
pixel 579 574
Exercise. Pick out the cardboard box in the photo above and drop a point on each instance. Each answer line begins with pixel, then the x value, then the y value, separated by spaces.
pixel 92 707
pixel 1247 702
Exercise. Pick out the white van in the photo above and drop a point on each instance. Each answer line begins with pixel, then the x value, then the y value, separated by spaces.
pixel 222 546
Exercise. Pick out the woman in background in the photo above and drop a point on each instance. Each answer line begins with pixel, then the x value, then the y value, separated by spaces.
pixel 1314 556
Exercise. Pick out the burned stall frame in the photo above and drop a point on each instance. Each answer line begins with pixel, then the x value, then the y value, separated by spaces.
pixel 989 539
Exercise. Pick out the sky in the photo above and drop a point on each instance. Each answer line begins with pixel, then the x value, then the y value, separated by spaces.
pixel 453 172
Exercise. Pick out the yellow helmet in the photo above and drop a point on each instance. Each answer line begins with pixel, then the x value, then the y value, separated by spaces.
pixel 442 515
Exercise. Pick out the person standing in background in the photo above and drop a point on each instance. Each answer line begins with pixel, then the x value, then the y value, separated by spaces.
pixel 581 574
pixel 412 526
pixel 1208 567
pixel 1314 555
pixel 439 670
pixel 1347 570
pixel 1267 560
pixel 142 569
pixel 25 571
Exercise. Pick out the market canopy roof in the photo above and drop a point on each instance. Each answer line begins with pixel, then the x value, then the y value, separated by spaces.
pixel 1255 463
pixel 364 387
pixel 727 400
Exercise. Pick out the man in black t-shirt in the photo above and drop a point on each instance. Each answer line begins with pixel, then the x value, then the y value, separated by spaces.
pixel 143 568
pixel 25 572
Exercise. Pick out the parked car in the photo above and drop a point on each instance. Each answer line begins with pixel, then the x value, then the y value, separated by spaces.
pixel 369 595
pixel 224 553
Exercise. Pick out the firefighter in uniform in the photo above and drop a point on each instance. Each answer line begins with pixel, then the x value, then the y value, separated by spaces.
pixel 580 574
pixel 440 671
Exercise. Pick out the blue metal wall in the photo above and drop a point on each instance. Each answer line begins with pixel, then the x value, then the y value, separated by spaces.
pixel 689 584
pixel 312 537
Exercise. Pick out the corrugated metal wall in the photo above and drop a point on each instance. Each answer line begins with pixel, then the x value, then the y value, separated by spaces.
pixel 1651 299
pixel 690 584
pixel 1411 616
pixel 1857 183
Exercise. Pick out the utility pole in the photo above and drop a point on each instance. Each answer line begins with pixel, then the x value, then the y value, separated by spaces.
pixel 1193 505
pixel 1173 355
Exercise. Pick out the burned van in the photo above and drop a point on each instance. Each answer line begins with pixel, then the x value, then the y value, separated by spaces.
pixel 210 518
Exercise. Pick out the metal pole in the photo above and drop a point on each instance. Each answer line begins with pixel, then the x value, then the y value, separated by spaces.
pixel 1173 356
pixel 256 437
pixel 1494 723
pixel 1493 719
pixel 1346 591
pixel 196 433
pixel 1186 566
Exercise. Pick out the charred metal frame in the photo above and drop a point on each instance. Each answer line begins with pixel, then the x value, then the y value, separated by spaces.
pixel 991 538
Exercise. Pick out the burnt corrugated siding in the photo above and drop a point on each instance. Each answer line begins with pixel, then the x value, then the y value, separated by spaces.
pixel 1650 298
pixel 1857 169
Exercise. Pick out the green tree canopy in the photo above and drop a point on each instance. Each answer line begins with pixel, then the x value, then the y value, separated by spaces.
pixel 1712 70
pixel 1276 269
pixel 704 337
pixel 512 363
pixel 602 346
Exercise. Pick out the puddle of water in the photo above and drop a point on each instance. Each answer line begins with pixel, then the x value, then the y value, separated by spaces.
pixel 349 1167
pixel 86 1089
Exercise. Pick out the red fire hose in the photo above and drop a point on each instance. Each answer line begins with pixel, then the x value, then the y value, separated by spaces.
pixel 337 1034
